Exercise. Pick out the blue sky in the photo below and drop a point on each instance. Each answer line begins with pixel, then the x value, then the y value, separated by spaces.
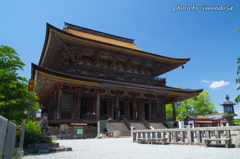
pixel 207 37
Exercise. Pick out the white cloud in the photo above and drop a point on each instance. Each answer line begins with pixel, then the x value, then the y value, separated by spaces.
pixel 218 84
pixel 205 81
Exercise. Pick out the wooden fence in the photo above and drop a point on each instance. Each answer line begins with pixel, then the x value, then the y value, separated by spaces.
pixel 189 136
pixel 7 138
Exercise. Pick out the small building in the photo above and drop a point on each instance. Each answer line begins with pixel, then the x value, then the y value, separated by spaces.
pixel 205 120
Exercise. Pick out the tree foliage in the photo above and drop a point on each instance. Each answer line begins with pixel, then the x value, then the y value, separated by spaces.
pixel 14 95
pixel 200 104
pixel 237 99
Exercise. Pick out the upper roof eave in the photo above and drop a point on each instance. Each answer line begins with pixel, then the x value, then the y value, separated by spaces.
pixel 104 81
pixel 49 27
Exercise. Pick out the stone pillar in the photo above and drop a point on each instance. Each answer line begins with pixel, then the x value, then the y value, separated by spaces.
pixel 174 110
pixel 150 109
pixel 238 138
pixel 98 106
pixel 59 104
pixel 78 108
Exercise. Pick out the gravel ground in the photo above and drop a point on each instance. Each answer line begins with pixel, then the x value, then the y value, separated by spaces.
pixel 123 148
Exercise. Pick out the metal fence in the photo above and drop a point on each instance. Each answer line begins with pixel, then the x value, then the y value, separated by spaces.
pixel 7 138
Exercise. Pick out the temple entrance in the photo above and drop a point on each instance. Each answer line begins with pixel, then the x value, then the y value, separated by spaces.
pixel 131 111
pixel 121 106
pixel 87 111
pixel 103 109
pixel 84 106
pixel 66 108
pixel 146 112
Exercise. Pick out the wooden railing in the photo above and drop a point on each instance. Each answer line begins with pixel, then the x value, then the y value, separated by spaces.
pixel 189 136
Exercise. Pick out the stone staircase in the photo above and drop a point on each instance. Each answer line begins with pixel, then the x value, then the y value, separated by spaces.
pixel 119 129
pixel 116 126
pixel 138 125
pixel 157 125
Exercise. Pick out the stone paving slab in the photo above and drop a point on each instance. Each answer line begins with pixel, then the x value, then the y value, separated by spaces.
pixel 123 148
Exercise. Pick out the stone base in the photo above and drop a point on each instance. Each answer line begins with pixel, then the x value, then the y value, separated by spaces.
pixel 19 152
pixel 46 148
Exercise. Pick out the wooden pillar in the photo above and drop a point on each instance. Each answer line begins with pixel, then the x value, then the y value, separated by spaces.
pixel 117 115
pixel 117 101
pixel 59 104
pixel 52 108
pixel 74 107
pixel 141 110
pixel 48 108
pixel 134 107
pixel 78 107
pixel 154 110
pixel 163 110
pixel 98 106
pixel 55 105
pixel 174 110
pixel 150 109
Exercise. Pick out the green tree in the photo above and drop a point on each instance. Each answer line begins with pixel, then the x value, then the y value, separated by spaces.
pixel 200 104
pixel 15 98
pixel 237 99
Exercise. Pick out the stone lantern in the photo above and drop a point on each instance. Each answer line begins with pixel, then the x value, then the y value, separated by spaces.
pixel 228 110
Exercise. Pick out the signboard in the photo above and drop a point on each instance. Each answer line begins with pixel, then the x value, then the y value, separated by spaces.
pixel 78 131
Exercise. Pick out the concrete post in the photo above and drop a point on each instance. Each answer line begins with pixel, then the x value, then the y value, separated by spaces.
pixel 189 135
pixel 238 139
pixel 19 151
pixel 133 136
pixel 98 130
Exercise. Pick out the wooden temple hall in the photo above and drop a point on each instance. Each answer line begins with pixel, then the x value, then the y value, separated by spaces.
pixel 84 76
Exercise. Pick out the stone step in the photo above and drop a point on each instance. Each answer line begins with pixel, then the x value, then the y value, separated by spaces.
pixel 138 125
pixel 157 125
pixel 116 126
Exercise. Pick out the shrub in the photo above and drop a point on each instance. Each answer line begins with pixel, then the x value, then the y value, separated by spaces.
pixel 32 134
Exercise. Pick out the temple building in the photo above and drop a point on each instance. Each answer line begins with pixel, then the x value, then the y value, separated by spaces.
pixel 84 76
